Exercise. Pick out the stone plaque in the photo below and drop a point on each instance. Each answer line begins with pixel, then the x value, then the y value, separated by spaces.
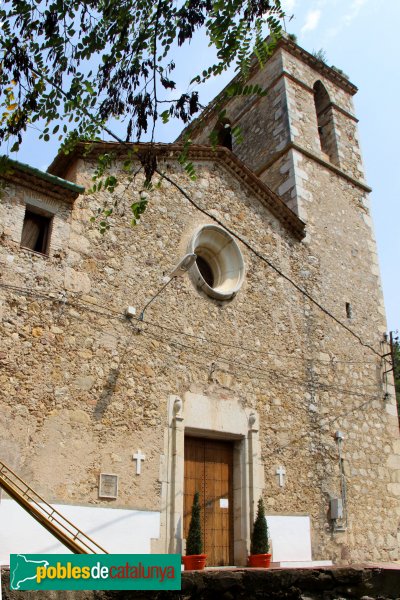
pixel 108 485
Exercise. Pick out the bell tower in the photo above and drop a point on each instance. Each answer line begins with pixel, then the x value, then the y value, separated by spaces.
pixel 301 139
pixel 307 113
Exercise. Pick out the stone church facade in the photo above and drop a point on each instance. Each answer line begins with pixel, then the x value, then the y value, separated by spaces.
pixel 250 375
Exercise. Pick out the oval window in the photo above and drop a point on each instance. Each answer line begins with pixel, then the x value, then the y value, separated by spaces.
pixel 219 268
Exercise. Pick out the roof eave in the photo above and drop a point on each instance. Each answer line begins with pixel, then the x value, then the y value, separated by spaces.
pixel 30 177
pixel 196 152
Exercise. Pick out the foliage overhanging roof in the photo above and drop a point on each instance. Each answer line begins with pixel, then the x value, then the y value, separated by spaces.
pixel 220 155
pixel 290 46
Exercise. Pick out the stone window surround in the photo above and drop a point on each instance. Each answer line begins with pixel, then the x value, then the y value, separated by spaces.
pixel 33 210
pixel 60 212
pixel 224 419
pixel 223 256
pixel 47 209
pixel 326 123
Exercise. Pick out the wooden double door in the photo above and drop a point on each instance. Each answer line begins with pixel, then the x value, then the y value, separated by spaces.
pixel 209 471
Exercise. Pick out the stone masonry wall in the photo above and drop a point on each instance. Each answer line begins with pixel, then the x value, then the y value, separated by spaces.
pixel 287 115
pixel 356 583
pixel 342 250
pixel 263 119
pixel 81 388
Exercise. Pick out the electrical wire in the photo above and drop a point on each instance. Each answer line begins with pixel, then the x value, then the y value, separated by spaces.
pixel 249 367
pixel 258 254
pixel 321 423
pixel 242 373
pixel 48 296
pixel 294 441
pixel 263 352
pixel 334 361
pixel 257 372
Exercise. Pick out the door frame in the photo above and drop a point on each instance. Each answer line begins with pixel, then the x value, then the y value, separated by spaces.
pixel 214 417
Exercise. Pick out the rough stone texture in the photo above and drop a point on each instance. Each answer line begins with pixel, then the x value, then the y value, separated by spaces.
pixel 82 389
pixel 339 238
pixel 260 118
pixel 287 115
pixel 356 583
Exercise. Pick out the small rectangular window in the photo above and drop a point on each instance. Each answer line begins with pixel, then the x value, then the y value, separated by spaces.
pixel 349 310
pixel 36 231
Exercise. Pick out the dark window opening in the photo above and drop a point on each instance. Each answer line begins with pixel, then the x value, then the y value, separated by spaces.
pixel 205 271
pixel 36 232
pixel 325 122
pixel 349 310
pixel 224 135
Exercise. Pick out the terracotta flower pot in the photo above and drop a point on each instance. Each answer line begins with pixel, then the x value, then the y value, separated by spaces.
pixel 194 562
pixel 261 561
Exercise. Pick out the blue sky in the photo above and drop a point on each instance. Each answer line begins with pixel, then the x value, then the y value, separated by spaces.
pixel 361 37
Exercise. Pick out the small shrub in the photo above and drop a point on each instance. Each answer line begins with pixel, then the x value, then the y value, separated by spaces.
pixel 259 538
pixel 194 542
pixel 320 55
pixel 340 71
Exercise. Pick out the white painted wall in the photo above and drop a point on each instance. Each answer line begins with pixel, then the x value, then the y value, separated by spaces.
pixel 129 531
pixel 291 538
pixel 118 531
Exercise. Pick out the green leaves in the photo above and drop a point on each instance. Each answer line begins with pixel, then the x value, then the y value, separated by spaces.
pixel 184 160
pixel 238 89
pixel 138 209
pixel 165 116
pixel 102 217
pixel 107 184
pixel 259 537
pixel 84 63
pixel 69 67
pixel 194 542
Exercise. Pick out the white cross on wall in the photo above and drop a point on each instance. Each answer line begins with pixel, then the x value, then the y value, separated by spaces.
pixel 281 472
pixel 139 457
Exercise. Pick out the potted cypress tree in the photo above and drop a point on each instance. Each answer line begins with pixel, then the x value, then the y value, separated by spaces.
pixel 259 549
pixel 194 559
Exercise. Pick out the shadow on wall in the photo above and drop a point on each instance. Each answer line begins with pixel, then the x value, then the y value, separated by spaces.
pixel 106 395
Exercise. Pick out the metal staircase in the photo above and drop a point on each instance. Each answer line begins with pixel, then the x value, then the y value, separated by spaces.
pixel 52 520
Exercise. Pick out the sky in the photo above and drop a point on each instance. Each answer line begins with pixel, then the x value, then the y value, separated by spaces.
pixel 360 37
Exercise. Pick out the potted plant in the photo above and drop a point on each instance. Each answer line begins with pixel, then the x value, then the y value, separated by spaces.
pixel 194 559
pixel 259 548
